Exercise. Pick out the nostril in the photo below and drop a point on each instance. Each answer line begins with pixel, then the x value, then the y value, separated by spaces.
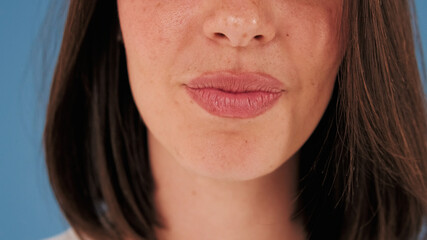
pixel 220 35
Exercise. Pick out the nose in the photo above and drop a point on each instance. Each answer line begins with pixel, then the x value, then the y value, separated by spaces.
pixel 239 23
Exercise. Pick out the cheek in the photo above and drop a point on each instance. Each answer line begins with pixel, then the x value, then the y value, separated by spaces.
pixel 312 32
pixel 152 30
pixel 315 48
pixel 146 18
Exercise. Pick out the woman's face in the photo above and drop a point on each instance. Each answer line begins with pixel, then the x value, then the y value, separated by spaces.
pixel 229 43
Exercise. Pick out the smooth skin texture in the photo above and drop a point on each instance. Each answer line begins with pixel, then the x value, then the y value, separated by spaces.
pixel 228 178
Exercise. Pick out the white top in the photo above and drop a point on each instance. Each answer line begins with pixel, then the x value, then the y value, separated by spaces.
pixel 67 235
pixel 71 235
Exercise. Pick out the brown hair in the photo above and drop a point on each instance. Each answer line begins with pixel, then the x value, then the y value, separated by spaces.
pixel 363 172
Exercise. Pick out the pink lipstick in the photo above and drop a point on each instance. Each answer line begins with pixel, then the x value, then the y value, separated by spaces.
pixel 235 95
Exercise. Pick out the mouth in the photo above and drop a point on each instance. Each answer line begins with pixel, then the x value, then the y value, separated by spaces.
pixel 235 95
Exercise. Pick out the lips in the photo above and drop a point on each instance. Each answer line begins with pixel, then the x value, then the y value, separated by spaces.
pixel 235 95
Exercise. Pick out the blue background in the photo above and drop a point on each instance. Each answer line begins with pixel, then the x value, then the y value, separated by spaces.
pixel 27 207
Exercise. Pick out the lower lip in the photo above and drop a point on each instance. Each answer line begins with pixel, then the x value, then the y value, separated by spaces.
pixel 233 105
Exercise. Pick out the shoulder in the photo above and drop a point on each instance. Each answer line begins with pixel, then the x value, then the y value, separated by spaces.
pixel 67 235
pixel 423 233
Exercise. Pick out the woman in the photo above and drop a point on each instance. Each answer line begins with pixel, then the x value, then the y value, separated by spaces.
pixel 207 119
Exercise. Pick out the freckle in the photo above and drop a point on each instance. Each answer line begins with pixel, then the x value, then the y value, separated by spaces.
pixel 244 35
pixel 194 193
pixel 246 141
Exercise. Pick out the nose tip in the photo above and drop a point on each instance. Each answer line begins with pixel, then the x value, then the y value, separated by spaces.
pixel 239 29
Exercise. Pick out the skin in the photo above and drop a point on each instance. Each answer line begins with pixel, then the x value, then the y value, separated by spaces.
pixel 229 178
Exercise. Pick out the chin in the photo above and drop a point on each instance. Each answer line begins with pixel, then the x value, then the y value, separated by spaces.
pixel 230 164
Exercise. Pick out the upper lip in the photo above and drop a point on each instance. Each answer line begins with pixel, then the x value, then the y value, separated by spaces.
pixel 237 82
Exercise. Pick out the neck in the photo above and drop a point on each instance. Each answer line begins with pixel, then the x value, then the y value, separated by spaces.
pixel 195 207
